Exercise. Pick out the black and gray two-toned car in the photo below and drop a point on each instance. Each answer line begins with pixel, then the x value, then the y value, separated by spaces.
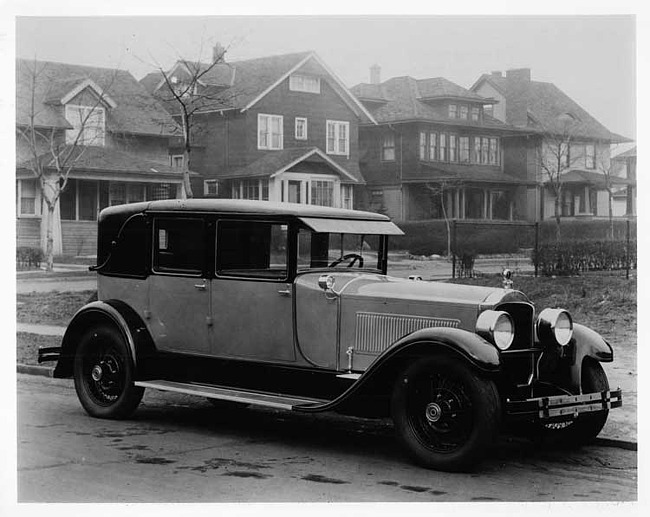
pixel 289 306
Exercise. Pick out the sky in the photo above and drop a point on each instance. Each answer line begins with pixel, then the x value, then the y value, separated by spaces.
pixel 591 58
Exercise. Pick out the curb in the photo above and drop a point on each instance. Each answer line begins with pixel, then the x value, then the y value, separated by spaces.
pixel 46 371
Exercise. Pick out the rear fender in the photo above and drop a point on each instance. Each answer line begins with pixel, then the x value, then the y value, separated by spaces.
pixel 112 312
pixel 588 343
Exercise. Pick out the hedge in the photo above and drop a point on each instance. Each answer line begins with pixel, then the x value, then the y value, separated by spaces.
pixel 573 257
pixel 585 229
pixel 28 257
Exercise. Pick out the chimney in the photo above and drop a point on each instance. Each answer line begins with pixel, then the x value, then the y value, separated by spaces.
pixel 519 75
pixel 375 74
pixel 218 53
pixel 496 73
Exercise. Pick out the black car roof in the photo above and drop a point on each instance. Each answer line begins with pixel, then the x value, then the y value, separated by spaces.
pixel 239 206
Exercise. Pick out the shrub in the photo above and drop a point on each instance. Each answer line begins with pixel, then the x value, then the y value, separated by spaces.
pixel 589 229
pixel 573 257
pixel 28 257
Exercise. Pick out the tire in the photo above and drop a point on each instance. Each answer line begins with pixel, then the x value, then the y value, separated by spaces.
pixel 103 374
pixel 445 414
pixel 587 426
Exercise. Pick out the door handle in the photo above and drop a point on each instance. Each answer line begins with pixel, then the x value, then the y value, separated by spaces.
pixel 200 287
pixel 284 292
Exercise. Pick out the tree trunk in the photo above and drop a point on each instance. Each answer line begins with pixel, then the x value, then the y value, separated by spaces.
pixel 49 242
pixel 558 217
pixel 611 216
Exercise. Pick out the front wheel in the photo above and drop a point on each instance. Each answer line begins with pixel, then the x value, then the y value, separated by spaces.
pixel 446 415
pixel 103 374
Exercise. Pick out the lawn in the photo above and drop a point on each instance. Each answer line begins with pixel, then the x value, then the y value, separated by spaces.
pixel 54 308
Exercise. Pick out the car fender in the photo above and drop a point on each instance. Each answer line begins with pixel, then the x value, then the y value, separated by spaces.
pixel 113 312
pixel 476 351
pixel 588 343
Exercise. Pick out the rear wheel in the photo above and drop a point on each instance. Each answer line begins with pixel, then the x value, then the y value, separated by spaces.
pixel 103 374
pixel 445 414
pixel 587 426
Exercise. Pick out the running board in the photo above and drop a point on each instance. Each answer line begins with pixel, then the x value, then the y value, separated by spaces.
pixel 235 395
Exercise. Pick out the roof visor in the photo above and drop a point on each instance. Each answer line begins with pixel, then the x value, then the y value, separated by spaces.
pixel 351 226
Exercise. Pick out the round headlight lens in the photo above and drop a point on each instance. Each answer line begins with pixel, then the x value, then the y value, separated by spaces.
pixel 497 327
pixel 555 326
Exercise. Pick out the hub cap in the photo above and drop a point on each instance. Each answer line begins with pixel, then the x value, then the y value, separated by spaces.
pixel 97 373
pixel 433 412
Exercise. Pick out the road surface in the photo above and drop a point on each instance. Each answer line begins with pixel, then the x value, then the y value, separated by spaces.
pixel 181 449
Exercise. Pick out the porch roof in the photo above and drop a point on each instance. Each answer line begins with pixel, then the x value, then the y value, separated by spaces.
pixel 580 176
pixel 110 163
pixel 276 162
pixel 433 172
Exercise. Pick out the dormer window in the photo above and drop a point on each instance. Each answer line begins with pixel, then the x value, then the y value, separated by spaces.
pixel 453 111
pixel 304 83
pixel 88 122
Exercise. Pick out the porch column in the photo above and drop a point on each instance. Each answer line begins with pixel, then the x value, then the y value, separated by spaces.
pixel 486 201
pixel 587 200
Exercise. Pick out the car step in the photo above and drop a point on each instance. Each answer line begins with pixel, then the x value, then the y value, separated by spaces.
pixel 273 400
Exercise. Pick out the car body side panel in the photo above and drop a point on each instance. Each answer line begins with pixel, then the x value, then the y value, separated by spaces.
pixel 588 343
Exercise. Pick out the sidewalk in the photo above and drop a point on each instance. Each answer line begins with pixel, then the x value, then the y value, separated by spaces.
pixel 620 429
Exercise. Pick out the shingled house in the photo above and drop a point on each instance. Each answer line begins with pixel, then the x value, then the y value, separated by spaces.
pixel 547 111
pixel 123 148
pixel 625 197
pixel 436 152
pixel 279 128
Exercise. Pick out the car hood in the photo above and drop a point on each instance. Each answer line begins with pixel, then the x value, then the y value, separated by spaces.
pixel 386 287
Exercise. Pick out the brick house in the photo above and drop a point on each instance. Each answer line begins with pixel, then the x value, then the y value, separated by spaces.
pixel 279 128
pixel 123 148
pixel 547 111
pixel 434 141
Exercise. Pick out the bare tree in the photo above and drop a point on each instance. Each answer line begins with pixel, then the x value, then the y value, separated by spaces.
pixel 554 159
pixel 192 94
pixel 605 166
pixel 439 192
pixel 54 153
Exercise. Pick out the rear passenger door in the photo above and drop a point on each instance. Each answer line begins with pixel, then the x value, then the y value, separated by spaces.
pixel 179 290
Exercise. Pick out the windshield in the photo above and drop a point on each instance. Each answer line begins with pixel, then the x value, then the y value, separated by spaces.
pixel 325 250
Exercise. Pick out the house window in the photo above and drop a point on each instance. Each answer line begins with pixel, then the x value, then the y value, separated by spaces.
pixel 88 201
pixel 134 192
pixel 388 147
pixel 464 149
pixel 160 191
pixel 28 197
pixel 453 111
pixel 250 189
pixel 88 125
pixel 322 193
pixel 176 161
pixel 443 147
pixel 68 202
pixel 269 132
pixel 210 188
pixel 304 83
pixel 494 151
pixel 485 150
pixel 463 112
pixel 488 110
pixel 117 194
pixel 500 203
pixel 475 114
pixel 423 145
pixel 476 155
pixel 301 128
pixel 590 156
pixel 338 137
pixel 452 148
pixel 347 196
pixel 433 146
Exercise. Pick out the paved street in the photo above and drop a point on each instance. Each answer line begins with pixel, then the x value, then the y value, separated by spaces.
pixel 180 449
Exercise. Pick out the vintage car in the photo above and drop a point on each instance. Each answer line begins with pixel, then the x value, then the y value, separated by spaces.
pixel 289 306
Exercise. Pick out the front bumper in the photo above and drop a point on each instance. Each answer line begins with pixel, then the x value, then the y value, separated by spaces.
pixel 563 407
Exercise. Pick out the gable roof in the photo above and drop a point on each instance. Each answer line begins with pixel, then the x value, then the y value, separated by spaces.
pixel 241 84
pixel 132 109
pixel 543 105
pixel 401 99
pixel 630 153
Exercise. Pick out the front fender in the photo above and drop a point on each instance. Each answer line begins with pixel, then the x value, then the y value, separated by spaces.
pixel 479 353
pixel 588 343
pixel 112 312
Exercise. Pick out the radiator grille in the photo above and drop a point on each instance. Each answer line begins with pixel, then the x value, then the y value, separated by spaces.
pixel 376 331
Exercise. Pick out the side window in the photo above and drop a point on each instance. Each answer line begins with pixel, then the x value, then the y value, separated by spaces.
pixel 179 246
pixel 252 249
pixel 129 254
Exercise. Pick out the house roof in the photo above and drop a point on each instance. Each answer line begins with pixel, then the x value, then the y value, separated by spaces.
pixel 545 107
pixel 402 99
pixel 455 172
pixel 241 84
pixel 97 159
pixel 273 163
pixel 630 153
pixel 580 176
pixel 135 111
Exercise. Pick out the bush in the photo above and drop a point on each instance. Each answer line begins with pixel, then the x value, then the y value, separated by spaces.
pixel 28 257
pixel 587 229
pixel 573 257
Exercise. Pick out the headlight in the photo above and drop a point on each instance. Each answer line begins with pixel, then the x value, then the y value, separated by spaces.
pixel 554 326
pixel 497 327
